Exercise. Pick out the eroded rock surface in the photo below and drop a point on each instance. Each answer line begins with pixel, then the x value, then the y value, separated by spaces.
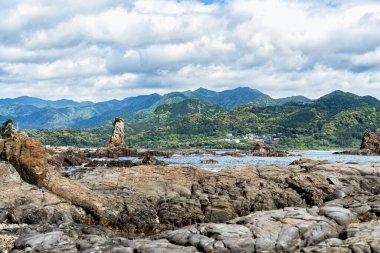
pixel 356 237
pixel 286 230
pixel 161 198
pixel 29 158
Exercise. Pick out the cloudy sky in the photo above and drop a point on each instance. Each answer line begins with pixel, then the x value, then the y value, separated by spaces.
pixel 104 49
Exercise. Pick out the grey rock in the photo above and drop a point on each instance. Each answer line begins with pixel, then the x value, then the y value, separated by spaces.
pixel 342 216
pixel 40 242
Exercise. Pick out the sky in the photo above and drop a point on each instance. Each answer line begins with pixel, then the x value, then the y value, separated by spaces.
pixel 111 49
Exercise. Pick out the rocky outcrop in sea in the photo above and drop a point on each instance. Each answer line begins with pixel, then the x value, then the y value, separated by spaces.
pixel 117 138
pixel 370 145
pixel 309 206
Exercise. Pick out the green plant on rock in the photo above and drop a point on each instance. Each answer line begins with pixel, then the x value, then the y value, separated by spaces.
pixel 6 132
pixel 7 122
pixel 118 119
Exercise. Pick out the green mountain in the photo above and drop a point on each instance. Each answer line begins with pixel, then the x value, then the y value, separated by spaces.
pixel 187 108
pixel 336 120
pixel 232 98
pixel 41 103
pixel 35 113
pixel 296 99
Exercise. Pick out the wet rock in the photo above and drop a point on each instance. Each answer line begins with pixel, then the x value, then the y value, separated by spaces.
pixel 209 161
pixel 65 157
pixel 164 153
pixel 262 151
pixel 113 163
pixel 151 160
pixel 195 152
pixel 232 154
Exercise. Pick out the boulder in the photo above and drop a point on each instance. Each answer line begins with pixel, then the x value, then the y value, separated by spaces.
pixel 151 160
pixel 262 151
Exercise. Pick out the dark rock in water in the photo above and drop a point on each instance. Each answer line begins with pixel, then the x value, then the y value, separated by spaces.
pixel 164 153
pixel 65 157
pixel 195 152
pixel 304 162
pixel 232 154
pixel 210 161
pixel 151 160
pixel 271 153
pixel 260 148
pixel 112 163
pixel 262 151
pixel 114 152
pixel 117 138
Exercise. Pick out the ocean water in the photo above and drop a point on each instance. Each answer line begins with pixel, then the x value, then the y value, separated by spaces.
pixel 231 162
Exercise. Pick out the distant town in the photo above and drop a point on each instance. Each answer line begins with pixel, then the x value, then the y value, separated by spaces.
pixel 252 138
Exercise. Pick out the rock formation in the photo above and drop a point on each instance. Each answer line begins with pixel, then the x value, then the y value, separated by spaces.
pixel 371 141
pixel 117 138
pixel 29 158
pixel 65 157
pixel 370 145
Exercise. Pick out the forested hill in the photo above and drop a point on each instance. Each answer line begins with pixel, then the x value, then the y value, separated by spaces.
pixel 35 113
pixel 336 120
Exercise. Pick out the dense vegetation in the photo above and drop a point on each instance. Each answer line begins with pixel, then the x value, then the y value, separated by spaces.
pixel 336 120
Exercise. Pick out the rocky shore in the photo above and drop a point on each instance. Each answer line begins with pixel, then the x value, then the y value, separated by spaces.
pixel 309 206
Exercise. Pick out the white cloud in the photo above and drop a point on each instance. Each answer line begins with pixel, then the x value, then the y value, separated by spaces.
pixel 114 48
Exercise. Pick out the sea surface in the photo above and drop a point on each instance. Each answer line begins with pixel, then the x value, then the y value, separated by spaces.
pixel 231 162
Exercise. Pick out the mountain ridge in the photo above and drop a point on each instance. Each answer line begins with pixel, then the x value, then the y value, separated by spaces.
pixel 38 113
